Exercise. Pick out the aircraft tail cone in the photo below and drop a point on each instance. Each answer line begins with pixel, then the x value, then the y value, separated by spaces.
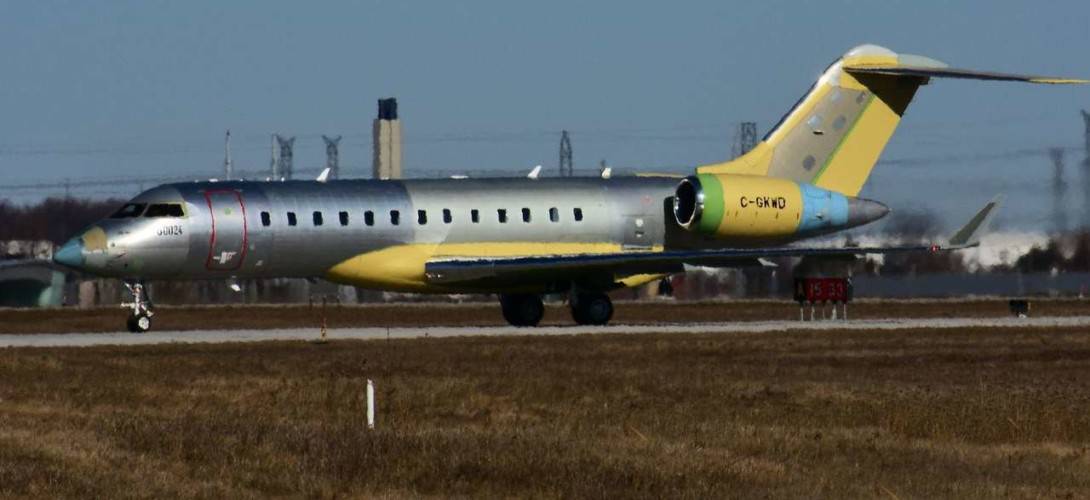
pixel 863 211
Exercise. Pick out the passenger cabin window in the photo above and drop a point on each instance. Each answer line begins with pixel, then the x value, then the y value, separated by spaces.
pixel 395 217
pixel 344 218
pixel 291 218
pixel 577 214
pixel 129 210
pixel 525 215
pixel 317 218
pixel 446 216
pixel 502 215
pixel 266 219
pixel 475 216
pixel 165 210
pixel 369 218
pixel 421 217
pixel 554 214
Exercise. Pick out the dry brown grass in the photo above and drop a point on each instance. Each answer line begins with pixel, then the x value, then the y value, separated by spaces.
pixel 484 314
pixel 830 414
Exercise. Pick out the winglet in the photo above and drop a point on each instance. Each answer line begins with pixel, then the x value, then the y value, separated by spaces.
pixel 324 176
pixel 534 173
pixel 969 235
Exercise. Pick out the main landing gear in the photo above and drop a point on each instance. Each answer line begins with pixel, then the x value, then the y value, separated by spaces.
pixel 591 308
pixel 522 309
pixel 587 308
pixel 140 318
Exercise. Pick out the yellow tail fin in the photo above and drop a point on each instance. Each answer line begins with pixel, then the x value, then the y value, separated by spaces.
pixel 834 135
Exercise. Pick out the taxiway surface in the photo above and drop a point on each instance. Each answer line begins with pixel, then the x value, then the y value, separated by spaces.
pixel 223 336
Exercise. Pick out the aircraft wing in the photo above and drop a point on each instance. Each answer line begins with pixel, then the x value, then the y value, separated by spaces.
pixel 461 269
pixel 45 263
pixel 450 270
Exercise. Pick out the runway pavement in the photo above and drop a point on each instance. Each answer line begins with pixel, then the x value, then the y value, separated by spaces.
pixel 223 336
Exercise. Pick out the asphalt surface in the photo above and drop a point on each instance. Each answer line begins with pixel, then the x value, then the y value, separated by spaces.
pixel 225 336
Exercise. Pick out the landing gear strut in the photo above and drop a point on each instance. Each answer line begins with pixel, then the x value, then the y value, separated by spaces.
pixel 140 318
pixel 591 308
pixel 522 309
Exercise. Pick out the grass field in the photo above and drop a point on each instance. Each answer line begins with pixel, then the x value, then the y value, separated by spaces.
pixel 830 414
pixel 70 320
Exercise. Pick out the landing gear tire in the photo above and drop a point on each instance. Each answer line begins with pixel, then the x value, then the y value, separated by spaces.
pixel 522 309
pixel 592 309
pixel 140 318
pixel 139 323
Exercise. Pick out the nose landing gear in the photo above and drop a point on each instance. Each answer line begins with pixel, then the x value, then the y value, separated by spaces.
pixel 140 318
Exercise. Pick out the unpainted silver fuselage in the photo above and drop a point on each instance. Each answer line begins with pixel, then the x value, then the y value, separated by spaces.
pixel 241 229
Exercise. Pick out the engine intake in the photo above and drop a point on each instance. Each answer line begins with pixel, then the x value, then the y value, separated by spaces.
pixel 688 202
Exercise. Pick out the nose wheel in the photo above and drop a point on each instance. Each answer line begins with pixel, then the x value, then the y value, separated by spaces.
pixel 140 308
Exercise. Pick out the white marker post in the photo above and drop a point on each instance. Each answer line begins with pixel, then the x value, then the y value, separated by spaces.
pixel 370 405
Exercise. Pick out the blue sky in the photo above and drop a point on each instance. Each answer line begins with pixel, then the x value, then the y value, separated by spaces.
pixel 112 89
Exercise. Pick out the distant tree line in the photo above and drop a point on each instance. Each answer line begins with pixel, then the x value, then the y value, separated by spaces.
pixel 1052 256
pixel 53 219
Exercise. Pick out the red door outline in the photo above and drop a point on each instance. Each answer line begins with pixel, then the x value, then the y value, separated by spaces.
pixel 212 238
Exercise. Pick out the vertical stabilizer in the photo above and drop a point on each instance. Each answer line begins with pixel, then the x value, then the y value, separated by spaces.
pixel 835 134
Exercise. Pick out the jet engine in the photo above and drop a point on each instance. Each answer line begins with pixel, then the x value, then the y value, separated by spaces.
pixel 749 206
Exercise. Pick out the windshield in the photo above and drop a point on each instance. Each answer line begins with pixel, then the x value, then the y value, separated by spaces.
pixel 129 210
pixel 165 210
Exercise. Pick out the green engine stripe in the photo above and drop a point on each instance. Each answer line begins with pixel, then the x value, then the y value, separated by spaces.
pixel 843 139
pixel 712 216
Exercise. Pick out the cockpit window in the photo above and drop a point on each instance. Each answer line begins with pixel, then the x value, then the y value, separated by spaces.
pixel 129 210
pixel 165 210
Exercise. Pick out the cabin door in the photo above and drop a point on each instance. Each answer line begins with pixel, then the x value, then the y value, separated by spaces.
pixel 227 245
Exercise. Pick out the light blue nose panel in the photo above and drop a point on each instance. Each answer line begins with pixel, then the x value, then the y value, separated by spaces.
pixel 821 209
pixel 71 254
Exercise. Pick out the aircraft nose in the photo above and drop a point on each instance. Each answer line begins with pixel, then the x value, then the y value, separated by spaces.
pixel 862 211
pixel 70 254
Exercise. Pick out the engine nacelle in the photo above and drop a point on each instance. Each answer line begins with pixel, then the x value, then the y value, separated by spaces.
pixel 748 206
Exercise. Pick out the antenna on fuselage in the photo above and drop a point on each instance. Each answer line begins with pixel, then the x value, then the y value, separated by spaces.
pixel 227 156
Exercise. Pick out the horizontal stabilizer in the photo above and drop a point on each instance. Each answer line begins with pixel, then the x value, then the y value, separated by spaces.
pixel 946 72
